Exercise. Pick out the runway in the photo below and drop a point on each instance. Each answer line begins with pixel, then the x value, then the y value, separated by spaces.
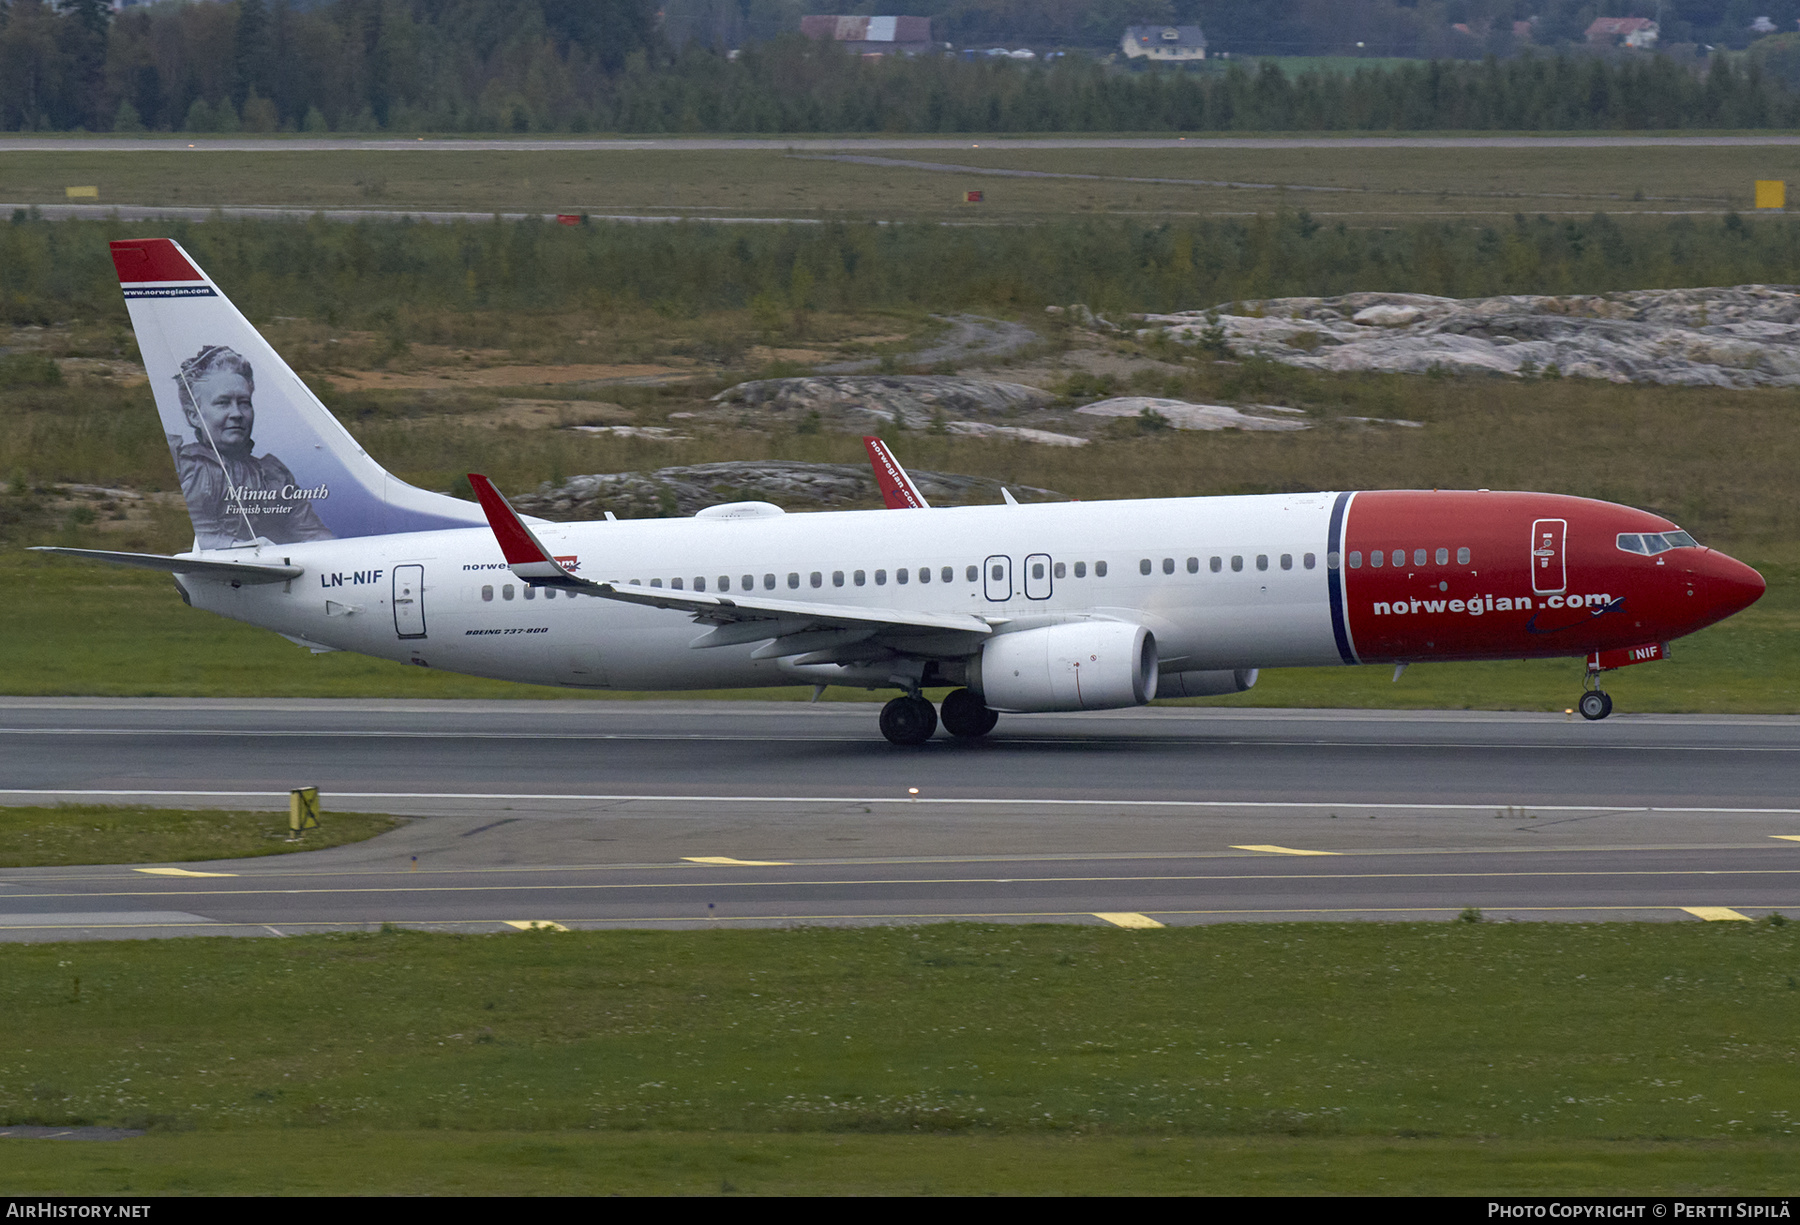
pixel 659 814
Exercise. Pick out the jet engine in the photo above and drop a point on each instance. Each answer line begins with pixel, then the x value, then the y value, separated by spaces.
pixel 1080 665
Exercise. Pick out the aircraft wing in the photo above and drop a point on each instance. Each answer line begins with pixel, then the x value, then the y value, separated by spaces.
pixel 243 571
pixel 740 618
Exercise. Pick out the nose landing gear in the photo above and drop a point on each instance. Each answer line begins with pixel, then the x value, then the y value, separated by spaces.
pixel 1595 702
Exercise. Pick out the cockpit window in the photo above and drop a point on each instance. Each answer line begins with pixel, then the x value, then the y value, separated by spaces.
pixel 1652 543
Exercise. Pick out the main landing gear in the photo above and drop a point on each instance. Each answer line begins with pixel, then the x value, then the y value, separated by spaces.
pixel 911 720
pixel 1595 702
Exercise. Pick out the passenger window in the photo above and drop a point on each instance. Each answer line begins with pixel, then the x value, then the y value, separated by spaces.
pixel 881 578
pixel 724 582
pixel 1377 558
pixel 487 593
pixel 1037 569
pixel 1355 559
pixel 1310 561
pixel 506 592
pixel 1058 570
pixel 768 582
pixel 817 579
pixel 947 574
pixel 550 593
pixel 900 575
pixel 699 583
pixel 837 578
pixel 1287 561
pixel 1237 564
pixel 1418 557
pixel 1080 569
pixel 1099 569
pixel 749 582
pixel 859 578
pixel 1144 566
pixel 1400 558
pixel 972 573
pixel 793 580
pixel 675 584
pixel 1216 564
pixel 999 573
pixel 1443 557
pixel 636 582
pixel 1462 557
pixel 924 574
pixel 1262 561
pixel 530 592
pixel 1168 565
pixel 1193 565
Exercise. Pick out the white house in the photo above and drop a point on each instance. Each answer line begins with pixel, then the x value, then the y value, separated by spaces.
pixel 1164 44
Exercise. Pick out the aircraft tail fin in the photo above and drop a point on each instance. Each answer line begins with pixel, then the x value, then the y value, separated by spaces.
pixel 897 488
pixel 259 457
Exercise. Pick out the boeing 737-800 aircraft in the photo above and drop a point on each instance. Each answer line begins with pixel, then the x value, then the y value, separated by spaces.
pixel 1045 607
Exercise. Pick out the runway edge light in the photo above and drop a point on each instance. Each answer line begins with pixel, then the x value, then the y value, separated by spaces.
pixel 303 811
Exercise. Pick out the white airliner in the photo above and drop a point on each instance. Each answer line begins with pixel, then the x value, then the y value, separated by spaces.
pixel 1045 607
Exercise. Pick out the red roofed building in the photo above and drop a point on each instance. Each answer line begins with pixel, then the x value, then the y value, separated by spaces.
pixel 873 35
pixel 1632 31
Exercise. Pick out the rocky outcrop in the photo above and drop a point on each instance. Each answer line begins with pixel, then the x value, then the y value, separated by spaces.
pixel 1745 336
pixel 1180 415
pixel 679 491
pixel 970 337
pixel 859 402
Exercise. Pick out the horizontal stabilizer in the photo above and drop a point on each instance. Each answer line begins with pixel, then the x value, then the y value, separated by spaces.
pixel 243 571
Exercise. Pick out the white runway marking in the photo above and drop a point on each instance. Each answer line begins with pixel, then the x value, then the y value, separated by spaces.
pixel 517 797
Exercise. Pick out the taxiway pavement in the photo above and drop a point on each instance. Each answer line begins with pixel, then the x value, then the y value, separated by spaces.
pixel 599 813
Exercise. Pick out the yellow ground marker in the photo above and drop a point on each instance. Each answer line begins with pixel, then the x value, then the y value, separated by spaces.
pixel 1126 918
pixel 81 193
pixel 1771 193
pixel 1787 837
pixel 726 861
pixel 534 925
pixel 1716 914
pixel 178 872
pixel 1283 850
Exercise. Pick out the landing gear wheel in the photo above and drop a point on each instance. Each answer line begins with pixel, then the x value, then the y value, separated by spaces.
pixel 908 720
pixel 1595 704
pixel 967 716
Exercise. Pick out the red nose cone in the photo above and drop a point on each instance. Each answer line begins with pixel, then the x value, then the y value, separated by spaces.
pixel 1727 585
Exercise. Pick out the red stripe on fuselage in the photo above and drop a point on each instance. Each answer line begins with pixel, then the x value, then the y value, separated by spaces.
pixel 1488 606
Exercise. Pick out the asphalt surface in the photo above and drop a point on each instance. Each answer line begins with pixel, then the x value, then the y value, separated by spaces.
pixel 853 144
pixel 592 814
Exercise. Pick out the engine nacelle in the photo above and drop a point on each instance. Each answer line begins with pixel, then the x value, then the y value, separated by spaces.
pixel 1204 684
pixel 1082 665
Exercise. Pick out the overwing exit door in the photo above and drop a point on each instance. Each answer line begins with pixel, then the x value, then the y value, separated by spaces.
pixel 1549 561
pixel 409 601
pixel 996 578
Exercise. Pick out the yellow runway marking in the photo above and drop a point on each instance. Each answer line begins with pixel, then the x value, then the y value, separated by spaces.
pixel 1126 918
pixel 1282 850
pixel 534 925
pixel 178 872
pixel 726 861
pixel 1715 914
pixel 1787 837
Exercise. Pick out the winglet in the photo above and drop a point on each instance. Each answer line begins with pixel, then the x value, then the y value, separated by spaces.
pixel 897 488
pixel 526 556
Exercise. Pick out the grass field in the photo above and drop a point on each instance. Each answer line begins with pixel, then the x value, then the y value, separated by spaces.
pixel 1371 185
pixel 1458 1058
pixel 96 833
